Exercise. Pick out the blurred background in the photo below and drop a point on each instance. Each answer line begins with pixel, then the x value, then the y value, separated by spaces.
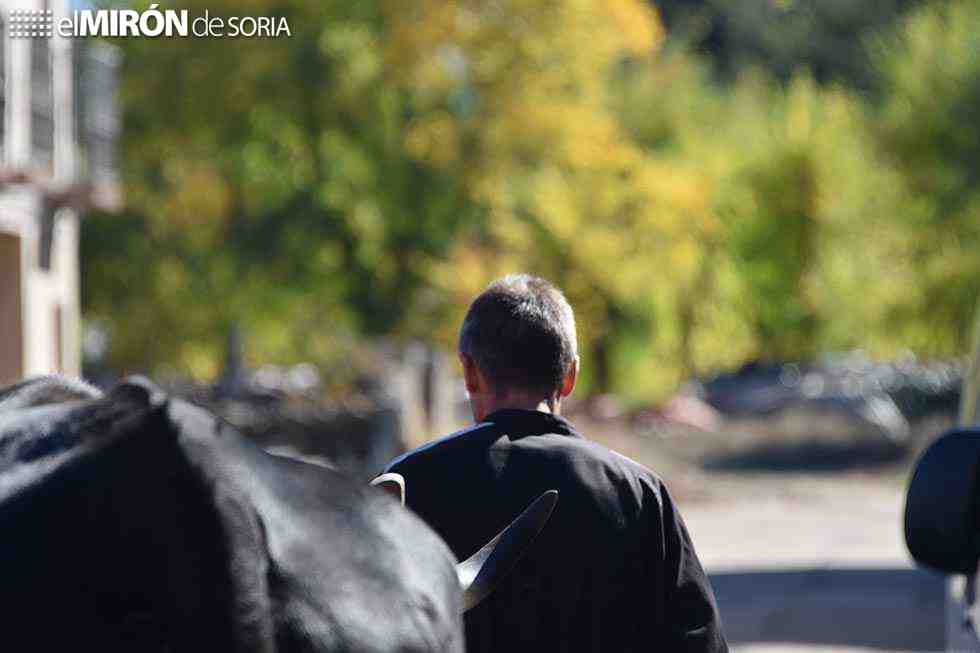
pixel 765 213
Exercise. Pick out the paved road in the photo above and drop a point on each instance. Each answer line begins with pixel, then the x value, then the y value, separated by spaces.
pixel 882 609
pixel 808 563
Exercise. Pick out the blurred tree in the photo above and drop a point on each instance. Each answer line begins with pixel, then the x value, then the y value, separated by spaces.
pixel 369 175
pixel 267 185
pixel 928 126
pixel 795 230
pixel 515 96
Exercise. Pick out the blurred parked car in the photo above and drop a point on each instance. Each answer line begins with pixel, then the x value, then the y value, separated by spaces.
pixel 942 511
pixel 889 398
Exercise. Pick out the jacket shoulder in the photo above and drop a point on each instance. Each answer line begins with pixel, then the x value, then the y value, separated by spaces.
pixel 440 447
pixel 614 463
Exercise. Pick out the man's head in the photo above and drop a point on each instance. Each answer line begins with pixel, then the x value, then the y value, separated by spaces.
pixel 518 346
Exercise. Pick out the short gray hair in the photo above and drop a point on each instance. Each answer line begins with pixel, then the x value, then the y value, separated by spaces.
pixel 520 332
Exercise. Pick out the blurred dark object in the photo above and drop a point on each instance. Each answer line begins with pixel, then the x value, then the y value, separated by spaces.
pixel 940 509
pixel 283 410
pixel 826 37
pixel 360 440
pixel 288 411
pixel 890 397
pixel 233 382
pixel 842 412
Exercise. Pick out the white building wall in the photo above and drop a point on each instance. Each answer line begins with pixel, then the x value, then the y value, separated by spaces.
pixel 40 293
pixel 51 331
pixel 67 231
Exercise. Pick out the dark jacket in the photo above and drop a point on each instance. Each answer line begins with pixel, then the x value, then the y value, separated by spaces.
pixel 614 569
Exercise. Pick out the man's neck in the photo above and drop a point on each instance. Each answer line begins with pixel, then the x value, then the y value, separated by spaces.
pixel 491 404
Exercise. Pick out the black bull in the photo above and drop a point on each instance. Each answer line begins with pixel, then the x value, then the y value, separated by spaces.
pixel 138 522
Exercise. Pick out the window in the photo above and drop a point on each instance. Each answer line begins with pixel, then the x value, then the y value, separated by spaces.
pixel 98 125
pixel 3 88
pixel 42 105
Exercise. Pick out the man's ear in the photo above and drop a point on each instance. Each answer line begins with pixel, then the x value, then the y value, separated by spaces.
pixel 569 383
pixel 470 373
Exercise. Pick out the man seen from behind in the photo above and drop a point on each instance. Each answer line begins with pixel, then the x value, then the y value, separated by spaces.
pixel 614 569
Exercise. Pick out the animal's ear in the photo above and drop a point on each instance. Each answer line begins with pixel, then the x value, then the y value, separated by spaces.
pixel 393 484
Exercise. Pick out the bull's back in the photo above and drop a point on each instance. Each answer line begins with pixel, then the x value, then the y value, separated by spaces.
pixel 141 523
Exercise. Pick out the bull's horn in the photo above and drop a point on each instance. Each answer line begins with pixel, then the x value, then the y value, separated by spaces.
pixel 393 484
pixel 481 572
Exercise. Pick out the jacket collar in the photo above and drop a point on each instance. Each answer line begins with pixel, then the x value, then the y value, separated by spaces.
pixel 518 423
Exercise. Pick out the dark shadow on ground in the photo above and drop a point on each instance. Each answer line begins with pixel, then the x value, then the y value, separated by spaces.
pixel 883 609
pixel 807 455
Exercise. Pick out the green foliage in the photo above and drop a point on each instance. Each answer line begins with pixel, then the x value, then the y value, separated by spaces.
pixel 929 128
pixel 367 176
pixel 267 185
